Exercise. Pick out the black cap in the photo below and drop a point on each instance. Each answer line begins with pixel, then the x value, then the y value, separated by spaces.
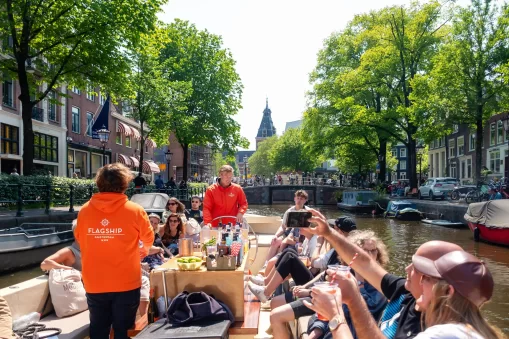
pixel 346 224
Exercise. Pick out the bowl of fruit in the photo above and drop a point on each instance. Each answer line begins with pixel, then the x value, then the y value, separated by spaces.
pixel 189 263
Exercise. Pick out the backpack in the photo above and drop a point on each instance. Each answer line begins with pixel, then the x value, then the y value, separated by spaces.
pixel 197 306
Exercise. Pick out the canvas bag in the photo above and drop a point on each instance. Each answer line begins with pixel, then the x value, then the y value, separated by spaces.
pixel 67 292
pixel 192 227
pixel 190 307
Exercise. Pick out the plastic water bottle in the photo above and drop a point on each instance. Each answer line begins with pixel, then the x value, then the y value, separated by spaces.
pixel 26 320
pixel 205 231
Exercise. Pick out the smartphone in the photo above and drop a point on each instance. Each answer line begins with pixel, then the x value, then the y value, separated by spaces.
pixel 298 219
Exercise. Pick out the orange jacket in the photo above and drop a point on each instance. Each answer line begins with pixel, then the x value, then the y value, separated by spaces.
pixel 220 201
pixel 112 233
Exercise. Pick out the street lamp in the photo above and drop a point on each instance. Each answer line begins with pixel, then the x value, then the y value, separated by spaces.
pixel 168 155
pixel 200 163
pixel 245 168
pixel 104 136
pixel 420 153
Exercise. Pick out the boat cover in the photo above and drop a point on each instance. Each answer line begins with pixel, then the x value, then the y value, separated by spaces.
pixel 494 213
pixel 398 205
pixel 151 201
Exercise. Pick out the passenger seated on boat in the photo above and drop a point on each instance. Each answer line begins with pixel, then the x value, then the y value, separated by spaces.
pixel 155 222
pixel 5 320
pixel 173 231
pixel 174 206
pixel 454 288
pixel 401 318
pixel 156 253
pixel 195 211
pixel 290 306
pixel 282 237
pixel 376 301
pixel 66 258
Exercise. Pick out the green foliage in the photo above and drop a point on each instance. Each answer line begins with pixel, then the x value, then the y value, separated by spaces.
pixel 197 57
pixel 80 43
pixel 259 162
pixel 289 153
pixel 355 157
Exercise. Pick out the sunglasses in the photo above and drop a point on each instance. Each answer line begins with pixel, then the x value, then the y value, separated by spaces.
pixel 174 221
pixel 172 203
pixel 195 202
pixel 373 251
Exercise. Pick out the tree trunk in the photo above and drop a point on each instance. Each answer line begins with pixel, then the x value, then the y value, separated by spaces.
pixel 478 147
pixel 26 114
pixel 382 151
pixel 142 146
pixel 185 148
pixel 412 163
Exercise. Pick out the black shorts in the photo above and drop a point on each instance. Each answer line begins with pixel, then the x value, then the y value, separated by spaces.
pixel 298 307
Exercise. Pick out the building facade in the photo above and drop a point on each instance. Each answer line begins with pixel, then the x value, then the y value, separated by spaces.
pixel 244 170
pixel 400 171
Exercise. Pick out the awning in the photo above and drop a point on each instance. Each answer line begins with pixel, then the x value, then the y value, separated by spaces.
pixel 136 162
pixel 123 128
pixel 150 167
pixel 151 143
pixel 136 133
pixel 123 159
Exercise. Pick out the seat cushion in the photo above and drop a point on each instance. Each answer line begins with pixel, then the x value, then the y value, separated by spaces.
pixel 73 327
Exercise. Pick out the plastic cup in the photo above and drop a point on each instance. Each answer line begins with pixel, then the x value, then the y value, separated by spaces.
pixel 211 250
pixel 304 259
pixel 339 269
pixel 328 288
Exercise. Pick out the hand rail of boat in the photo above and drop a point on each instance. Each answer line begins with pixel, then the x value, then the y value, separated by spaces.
pixel 244 222
pixel 37 224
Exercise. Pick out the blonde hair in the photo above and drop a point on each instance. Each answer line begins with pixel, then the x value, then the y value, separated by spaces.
pixel 226 168
pixel 360 237
pixel 447 308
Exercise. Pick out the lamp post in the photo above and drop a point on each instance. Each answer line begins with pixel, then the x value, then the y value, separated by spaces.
pixel 419 150
pixel 245 168
pixel 104 136
pixel 168 155
pixel 200 163
pixel 505 120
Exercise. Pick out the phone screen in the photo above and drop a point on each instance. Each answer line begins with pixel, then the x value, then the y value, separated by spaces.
pixel 298 219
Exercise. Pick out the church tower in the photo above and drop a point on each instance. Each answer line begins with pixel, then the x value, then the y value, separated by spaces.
pixel 266 128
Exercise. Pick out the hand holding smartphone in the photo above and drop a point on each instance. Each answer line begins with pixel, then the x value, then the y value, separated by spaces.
pixel 298 219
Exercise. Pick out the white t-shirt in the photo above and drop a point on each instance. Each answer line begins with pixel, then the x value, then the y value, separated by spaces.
pixel 322 260
pixel 449 331
pixel 308 246
pixel 285 216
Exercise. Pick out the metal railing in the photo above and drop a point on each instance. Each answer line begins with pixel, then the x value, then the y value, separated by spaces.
pixel 19 196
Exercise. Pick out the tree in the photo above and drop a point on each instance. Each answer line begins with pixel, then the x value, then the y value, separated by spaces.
pixel 153 97
pixel 468 82
pixel 289 153
pixel 198 57
pixel 259 162
pixel 77 43
pixel 363 162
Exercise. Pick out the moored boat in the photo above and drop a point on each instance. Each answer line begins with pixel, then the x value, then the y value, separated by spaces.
pixel 403 210
pixel 444 223
pixel 489 221
pixel 29 243
pixel 358 201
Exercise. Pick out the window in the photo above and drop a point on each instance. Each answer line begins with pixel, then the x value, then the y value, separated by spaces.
pixel 433 143
pixel 402 165
pixel 500 132
pixel 45 147
pixel 463 169
pixel 52 107
pixel 402 175
pixel 77 163
pixel 10 139
pixel 75 119
pixel 90 122
pixel 76 90
pixel 138 145
pixel 126 108
pixel 441 142
pixel 90 93
pixel 102 99
pixel 451 149
pixel 472 141
pixel 128 141
pixel 492 134
pixel 96 162
pixel 495 161
pixel 146 147
pixel 394 153
pixel 453 170
pixel 8 93
pixel 402 153
pixel 469 168
pixel 455 128
pixel 461 146
pixel 118 138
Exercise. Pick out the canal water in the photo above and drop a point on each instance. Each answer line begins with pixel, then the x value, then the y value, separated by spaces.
pixel 402 239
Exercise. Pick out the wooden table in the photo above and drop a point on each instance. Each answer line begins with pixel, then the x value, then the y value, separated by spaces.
pixel 226 286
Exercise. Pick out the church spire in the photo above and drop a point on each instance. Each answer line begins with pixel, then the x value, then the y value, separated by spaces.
pixel 267 128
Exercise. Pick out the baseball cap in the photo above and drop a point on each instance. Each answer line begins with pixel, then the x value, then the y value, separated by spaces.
pixel 466 273
pixel 346 224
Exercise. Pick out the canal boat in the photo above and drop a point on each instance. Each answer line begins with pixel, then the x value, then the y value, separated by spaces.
pixel 29 243
pixel 403 210
pixel 444 223
pixel 489 221
pixel 362 202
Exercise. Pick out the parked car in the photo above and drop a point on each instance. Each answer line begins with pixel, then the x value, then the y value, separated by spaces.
pixel 437 188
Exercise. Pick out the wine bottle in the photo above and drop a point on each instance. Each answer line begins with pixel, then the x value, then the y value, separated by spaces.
pixel 152 308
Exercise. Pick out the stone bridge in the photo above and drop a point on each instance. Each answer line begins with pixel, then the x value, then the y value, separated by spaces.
pixel 282 194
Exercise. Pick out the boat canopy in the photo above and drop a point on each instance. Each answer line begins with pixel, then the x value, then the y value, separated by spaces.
pixel 151 201
pixel 494 213
pixel 398 205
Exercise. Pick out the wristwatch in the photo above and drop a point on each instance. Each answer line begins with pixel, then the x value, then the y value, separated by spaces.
pixel 336 322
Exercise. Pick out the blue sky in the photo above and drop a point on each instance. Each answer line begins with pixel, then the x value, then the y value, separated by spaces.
pixel 275 44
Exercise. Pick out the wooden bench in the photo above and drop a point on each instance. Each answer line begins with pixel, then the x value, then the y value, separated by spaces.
pixel 251 317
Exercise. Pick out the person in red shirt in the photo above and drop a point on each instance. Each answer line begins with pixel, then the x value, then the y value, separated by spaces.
pixel 224 198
